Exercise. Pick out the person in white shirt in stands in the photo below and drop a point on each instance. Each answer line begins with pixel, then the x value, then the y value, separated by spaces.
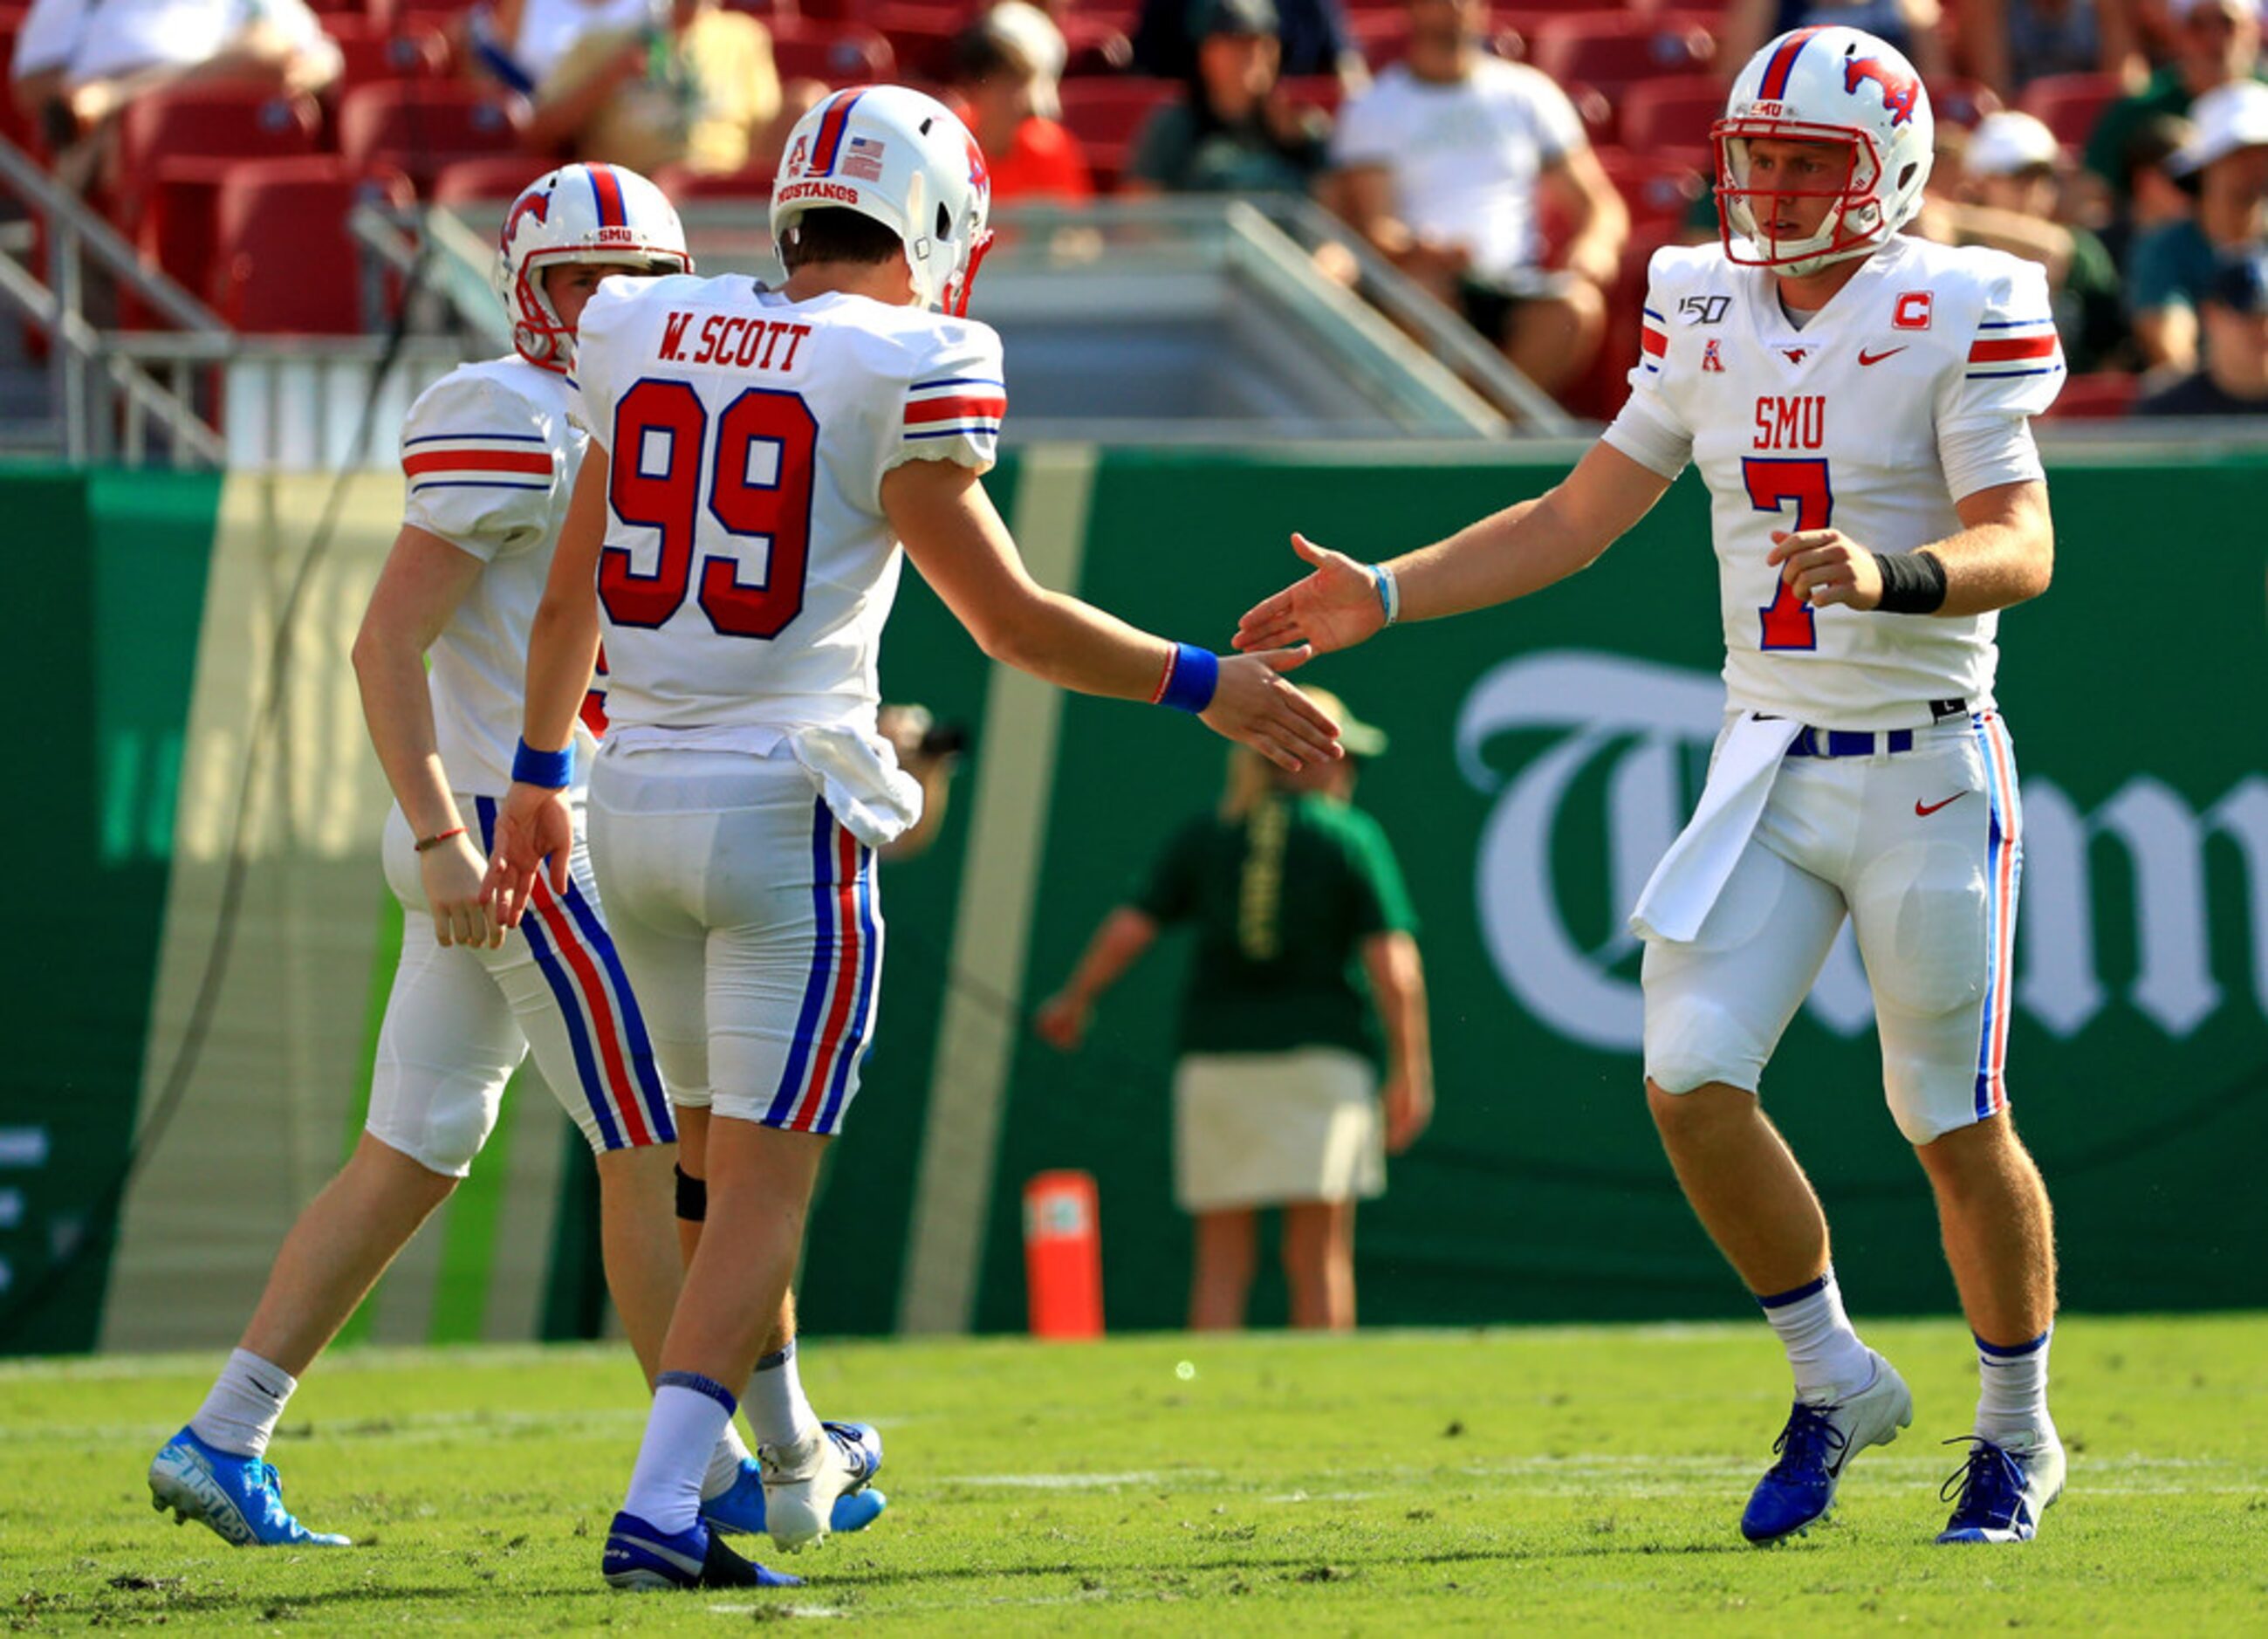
pixel 78 61
pixel 1446 166
pixel 1859 402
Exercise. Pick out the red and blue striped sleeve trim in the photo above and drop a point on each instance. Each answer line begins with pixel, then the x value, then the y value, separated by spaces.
pixel 474 461
pixel 955 407
pixel 2033 349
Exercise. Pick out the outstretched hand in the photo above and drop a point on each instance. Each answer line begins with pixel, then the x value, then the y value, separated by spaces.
pixel 535 830
pixel 1253 706
pixel 1335 607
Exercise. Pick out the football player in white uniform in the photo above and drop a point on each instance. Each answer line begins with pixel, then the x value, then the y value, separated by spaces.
pixel 757 458
pixel 1859 405
pixel 491 458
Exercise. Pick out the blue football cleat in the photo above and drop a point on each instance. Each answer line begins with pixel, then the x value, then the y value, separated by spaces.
pixel 641 1558
pixel 804 1485
pixel 2003 1490
pixel 241 1497
pixel 1819 1440
pixel 740 1509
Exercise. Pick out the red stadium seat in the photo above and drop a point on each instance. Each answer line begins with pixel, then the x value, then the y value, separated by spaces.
pixel 496 176
pixel 1658 189
pixel 921 36
pixel 750 183
pixel 2103 396
pixel 207 121
pixel 1673 112
pixel 418 126
pixel 373 51
pixel 1602 388
pixel 1615 49
pixel 1314 90
pixel 1962 102
pixel 2070 104
pixel 285 264
pixel 175 232
pixel 836 54
pixel 1106 114
pixel 15 124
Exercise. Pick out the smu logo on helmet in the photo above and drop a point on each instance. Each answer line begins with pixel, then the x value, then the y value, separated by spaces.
pixel 1901 92
pixel 979 177
pixel 531 205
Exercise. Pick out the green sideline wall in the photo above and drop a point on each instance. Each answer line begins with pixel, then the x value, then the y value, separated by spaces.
pixel 1540 753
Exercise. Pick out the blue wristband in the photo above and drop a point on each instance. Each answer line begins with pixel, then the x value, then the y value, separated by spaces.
pixel 553 770
pixel 1389 592
pixel 1196 674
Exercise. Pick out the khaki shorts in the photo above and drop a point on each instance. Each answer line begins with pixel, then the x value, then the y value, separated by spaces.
pixel 1260 1129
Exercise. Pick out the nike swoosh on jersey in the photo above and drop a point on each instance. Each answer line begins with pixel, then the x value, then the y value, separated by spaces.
pixel 1923 811
pixel 1865 358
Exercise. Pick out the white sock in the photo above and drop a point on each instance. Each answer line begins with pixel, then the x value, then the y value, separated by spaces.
pixel 778 1411
pixel 1830 1363
pixel 724 1464
pixel 247 1399
pixel 2012 1400
pixel 689 1413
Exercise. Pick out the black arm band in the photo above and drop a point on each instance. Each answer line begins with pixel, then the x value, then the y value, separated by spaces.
pixel 1913 583
pixel 692 1197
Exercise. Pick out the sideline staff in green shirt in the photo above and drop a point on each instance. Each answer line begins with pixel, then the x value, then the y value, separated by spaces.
pixel 1305 975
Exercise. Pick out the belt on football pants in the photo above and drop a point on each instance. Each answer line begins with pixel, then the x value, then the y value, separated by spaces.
pixel 1869 741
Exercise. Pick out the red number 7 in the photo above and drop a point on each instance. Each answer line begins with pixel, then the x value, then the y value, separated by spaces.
pixel 1773 482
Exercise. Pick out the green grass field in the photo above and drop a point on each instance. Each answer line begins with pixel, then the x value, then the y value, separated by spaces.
pixel 1567 1479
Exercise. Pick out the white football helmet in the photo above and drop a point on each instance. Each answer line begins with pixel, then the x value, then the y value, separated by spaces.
pixel 1827 85
pixel 578 213
pixel 903 160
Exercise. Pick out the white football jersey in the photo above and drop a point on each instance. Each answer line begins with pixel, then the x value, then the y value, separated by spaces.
pixel 1912 388
pixel 491 457
pixel 749 569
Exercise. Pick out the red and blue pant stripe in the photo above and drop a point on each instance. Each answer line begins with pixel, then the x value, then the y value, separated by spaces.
pixel 835 1020
pixel 613 1055
pixel 2003 869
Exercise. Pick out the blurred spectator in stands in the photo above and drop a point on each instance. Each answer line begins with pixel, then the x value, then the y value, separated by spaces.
pixel 693 86
pixel 1233 131
pixel 1033 34
pixel 2234 378
pixel 2224 164
pixel 997 86
pixel 2215 42
pixel 1312 36
pixel 1448 167
pixel 2009 43
pixel 2007 193
pixel 520 42
pixel 78 61
pixel 1912 26
pixel 1306 946
pixel 2154 198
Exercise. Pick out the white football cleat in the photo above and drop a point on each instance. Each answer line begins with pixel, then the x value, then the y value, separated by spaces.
pixel 803 1480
